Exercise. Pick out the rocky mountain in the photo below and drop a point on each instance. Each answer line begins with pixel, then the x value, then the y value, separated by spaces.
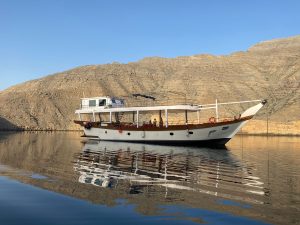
pixel 269 69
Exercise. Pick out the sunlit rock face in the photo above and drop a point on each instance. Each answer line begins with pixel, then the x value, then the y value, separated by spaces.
pixel 270 70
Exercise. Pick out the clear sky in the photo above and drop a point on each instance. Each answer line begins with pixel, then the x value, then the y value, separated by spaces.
pixel 41 37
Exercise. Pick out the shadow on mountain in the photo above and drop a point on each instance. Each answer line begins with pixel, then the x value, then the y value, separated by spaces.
pixel 6 125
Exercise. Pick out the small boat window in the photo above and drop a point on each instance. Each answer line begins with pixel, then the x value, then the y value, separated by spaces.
pixel 191 132
pixel 102 102
pixel 106 131
pixel 128 133
pixel 171 133
pixel 225 128
pixel 92 103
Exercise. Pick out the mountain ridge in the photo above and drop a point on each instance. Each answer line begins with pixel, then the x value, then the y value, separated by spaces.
pixel 269 69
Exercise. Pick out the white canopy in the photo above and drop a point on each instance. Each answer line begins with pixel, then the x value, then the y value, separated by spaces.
pixel 140 109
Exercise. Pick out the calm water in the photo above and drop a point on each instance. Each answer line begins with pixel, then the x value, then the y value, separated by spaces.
pixel 55 178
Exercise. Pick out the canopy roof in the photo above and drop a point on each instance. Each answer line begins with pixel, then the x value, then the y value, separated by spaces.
pixel 102 109
pixel 140 109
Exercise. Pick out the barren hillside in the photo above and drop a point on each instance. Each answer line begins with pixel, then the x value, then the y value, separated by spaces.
pixel 270 70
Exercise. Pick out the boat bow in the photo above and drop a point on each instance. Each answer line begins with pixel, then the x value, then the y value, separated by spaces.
pixel 254 109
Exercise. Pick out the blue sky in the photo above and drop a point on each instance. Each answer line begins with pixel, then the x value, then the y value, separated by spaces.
pixel 41 37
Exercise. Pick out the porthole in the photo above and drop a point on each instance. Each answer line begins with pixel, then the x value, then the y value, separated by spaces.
pixel 171 133
pixel 211 132
pixel 128 133
pixel 106 131
pixel 225 128
pixel 191 132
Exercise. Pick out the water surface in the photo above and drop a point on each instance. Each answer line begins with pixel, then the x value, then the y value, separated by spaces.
pixel 60 178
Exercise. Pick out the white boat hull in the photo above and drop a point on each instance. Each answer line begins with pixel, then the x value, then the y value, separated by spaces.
pixel 216 134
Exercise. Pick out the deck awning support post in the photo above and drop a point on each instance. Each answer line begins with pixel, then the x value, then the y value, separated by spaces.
pixel 186 117
pixel 94 119
pixel 110 117
pixel 166 113
pixel 217 111
pixel 137 119
pixel 198 116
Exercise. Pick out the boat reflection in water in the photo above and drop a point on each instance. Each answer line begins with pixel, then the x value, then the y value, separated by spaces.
pixel 147 184
pixel 168 170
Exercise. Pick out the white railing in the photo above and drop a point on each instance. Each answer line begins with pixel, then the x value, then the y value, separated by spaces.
pixel 217 104
pixel 214 105
pixel 183 122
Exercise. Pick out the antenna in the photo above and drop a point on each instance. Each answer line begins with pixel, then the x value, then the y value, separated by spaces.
pixel 144 96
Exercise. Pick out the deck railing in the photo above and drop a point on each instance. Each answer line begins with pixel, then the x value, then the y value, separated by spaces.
pixel 183 122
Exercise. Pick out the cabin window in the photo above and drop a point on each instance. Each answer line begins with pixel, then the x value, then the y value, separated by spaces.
pixel 191 132
pixel 92 103
pixel 102 102
pixel 106 131
pixel 97 182
pixel 225 128
pixel 171 133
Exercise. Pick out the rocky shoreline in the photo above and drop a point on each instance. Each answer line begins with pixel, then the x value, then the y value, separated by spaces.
pixel 271 128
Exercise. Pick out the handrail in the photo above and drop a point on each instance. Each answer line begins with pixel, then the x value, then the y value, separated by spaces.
pixel 230 103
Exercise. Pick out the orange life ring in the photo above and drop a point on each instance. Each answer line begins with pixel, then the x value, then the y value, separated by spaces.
pixel 212 120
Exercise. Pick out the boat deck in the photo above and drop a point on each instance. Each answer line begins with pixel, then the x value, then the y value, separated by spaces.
pixel 151 127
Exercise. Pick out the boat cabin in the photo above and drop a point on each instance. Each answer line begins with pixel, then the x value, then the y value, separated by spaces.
pixel 101 102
